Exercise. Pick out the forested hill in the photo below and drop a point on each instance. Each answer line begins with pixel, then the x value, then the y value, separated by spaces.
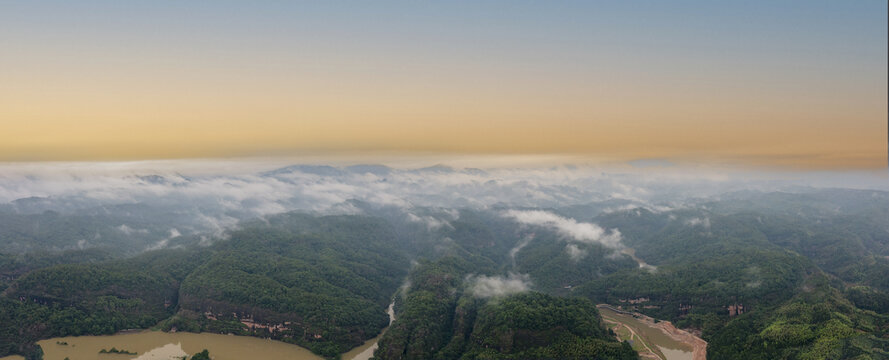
pixel 443 315
pixel 320 282
pixel 757 283
pixel 323 283
pixel 761 275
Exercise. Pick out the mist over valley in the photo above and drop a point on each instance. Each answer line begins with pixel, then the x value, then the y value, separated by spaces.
pixel 756 264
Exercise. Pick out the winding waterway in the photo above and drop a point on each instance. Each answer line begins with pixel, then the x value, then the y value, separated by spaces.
pixel 366 351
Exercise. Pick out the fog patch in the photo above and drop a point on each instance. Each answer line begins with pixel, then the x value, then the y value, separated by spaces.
pixel 642 264
pixel 444 245
pixel 483 286
pixel 162 244
pixel 217 226
pixel 515 250
pixel 211 196
pixel 343 208
pixel 404 288
pixel 703 222
pixel 129 231
pixel 452 213
pixel 588 233
pixel 755 273
pixel 430 222
pixel 655 209
pixel 575 252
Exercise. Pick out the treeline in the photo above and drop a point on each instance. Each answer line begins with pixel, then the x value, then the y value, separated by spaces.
pixel 763 276
pixel 426 316
pixel 795 279
pixel 89 299
pixel 440 318
pixel 122 229
pixel 538 326
pixel 789 276
pixel 320 282
pixel 818 323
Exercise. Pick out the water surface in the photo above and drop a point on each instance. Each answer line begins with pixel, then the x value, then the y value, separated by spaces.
pixel 158 345
pixel 366 351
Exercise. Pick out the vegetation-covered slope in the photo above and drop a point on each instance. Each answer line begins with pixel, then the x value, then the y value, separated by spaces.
pixel 538 326
pixel 90 299
pixel 818 323
pixel 441 318
pixel 321 282
pixel 761 276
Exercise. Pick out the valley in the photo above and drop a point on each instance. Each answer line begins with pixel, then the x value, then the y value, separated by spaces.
pixel 758 275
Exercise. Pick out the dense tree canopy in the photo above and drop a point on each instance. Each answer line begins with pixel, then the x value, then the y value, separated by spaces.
pixel 761 275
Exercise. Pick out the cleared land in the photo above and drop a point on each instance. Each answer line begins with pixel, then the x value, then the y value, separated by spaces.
pixel 654 340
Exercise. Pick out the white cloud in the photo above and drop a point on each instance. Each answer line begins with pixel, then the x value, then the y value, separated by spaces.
pixel 515 250
pixel 430 222
pixel 129 231
pixel 494 286
pixel 704 222
pixel 575 252
pixel 569 228
pixel 213 196
pixel 163 242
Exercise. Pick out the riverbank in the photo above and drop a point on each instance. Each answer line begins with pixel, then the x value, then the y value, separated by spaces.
pixel 158 345
pixel 366 351
pixel 151 345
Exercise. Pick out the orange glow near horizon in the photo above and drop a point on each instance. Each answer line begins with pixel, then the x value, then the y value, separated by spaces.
pixel 96 97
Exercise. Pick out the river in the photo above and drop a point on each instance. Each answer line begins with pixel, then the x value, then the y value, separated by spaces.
pixel 366 351
pixel 158 345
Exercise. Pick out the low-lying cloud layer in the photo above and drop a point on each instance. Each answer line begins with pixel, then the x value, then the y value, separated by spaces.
pixel 207 197
pixel 207 201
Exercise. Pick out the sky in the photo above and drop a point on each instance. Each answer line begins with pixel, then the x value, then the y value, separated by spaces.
pixel 781 84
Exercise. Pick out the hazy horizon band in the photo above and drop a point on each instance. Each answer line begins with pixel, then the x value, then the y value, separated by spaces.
pixel 787 85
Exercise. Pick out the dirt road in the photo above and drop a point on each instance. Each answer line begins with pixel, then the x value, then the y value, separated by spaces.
pixel 697 345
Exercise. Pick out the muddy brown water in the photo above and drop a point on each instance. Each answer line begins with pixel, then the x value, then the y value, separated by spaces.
pixel 366 351
pixel 158 345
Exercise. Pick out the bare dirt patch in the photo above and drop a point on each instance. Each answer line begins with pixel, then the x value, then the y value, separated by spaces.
pixel 697 345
